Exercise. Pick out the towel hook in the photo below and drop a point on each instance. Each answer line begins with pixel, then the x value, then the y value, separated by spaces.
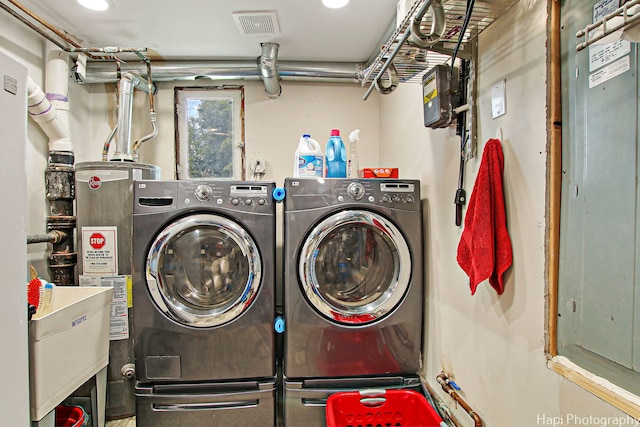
pixel 499 134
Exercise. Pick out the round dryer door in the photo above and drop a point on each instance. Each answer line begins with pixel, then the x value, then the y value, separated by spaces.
pixel 355 267
pixel 203 270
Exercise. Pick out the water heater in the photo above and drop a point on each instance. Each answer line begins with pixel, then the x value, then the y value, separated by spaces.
pixel 104 198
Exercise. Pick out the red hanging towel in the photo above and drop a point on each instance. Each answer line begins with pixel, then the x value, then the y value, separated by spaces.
pixel 484 251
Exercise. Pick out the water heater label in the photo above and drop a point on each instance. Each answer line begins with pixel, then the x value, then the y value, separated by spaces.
pixel 99 250
pixel 119 325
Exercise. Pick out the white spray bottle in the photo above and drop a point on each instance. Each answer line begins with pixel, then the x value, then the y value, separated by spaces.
pixel 353 167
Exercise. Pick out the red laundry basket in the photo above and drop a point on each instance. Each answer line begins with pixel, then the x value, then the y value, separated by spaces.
pixel 70 416
pixel 380 408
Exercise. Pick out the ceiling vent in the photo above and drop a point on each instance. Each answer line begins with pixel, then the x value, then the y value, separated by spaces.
pixel 257 23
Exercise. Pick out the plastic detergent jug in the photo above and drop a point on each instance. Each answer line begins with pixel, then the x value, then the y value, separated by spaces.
pixel 335 156
pixel 309 158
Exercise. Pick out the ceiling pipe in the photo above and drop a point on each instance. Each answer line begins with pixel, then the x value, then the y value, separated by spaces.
pixel 269 70
pixel 166 71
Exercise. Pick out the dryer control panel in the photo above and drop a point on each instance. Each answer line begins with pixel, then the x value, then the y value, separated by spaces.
pixel 310 193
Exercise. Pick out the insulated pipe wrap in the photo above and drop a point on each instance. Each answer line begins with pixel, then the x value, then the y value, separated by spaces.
pixel 163 71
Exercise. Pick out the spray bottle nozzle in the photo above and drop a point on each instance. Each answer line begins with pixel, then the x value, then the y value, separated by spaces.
pixel 354 136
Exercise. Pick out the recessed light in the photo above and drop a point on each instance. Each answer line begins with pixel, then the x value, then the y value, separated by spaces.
pixel 97 5
pixel 335 4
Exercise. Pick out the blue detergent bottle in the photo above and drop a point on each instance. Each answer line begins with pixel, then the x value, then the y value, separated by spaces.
pixel 335 156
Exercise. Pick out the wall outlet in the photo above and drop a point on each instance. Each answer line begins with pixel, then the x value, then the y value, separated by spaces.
pixel 258 166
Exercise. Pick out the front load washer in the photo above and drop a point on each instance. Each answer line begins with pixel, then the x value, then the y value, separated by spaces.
pixel 353 286
pixel 203 301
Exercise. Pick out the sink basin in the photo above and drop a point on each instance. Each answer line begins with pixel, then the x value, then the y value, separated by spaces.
pixel 68 345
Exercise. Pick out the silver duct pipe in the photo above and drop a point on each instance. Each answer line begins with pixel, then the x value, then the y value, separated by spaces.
pixel 164 71
pixel 269 70
pixel 129 81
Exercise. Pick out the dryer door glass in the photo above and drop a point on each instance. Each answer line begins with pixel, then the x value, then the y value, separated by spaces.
pixel 355 267
pixel 203 270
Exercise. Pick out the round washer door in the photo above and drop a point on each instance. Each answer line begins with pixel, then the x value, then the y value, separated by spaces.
pixel 203 270
pixel 355 267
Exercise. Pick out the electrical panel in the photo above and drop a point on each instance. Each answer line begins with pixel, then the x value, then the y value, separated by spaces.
pixel 439 99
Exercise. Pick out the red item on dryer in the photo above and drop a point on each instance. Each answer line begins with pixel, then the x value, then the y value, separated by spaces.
pixel 484 251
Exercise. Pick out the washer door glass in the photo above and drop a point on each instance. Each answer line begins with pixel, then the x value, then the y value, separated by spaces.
pixel 203 270
pixel 355 267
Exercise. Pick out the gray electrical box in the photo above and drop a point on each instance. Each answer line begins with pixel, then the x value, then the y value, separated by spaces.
pixel 437 98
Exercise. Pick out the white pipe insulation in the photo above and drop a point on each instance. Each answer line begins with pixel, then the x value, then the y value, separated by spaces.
pixel 51 111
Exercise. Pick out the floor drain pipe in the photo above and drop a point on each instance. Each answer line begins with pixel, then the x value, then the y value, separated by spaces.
pixel 445 383
pixel 269 71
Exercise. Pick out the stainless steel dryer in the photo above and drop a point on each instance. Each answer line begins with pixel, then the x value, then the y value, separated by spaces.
pixel 353 278
pixel 203 300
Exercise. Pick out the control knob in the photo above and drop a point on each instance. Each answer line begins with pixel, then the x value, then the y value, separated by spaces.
pixel 355 190
pixel 203 192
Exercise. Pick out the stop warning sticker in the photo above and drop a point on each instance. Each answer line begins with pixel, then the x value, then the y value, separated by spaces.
pixel 99 250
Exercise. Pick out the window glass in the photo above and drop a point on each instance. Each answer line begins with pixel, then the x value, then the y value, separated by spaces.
pixel 210 133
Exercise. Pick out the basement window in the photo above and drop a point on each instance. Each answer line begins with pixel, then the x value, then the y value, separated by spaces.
pixel 209 132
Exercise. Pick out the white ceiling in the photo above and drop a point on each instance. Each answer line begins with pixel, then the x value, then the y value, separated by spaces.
pixel 206 29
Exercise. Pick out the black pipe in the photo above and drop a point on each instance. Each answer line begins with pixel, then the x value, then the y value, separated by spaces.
pixel 61 193
pixel 53 237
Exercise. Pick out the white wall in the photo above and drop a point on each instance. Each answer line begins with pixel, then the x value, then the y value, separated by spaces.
pixel 272 126
pixel 492 346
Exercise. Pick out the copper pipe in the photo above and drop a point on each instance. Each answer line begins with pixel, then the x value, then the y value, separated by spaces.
pixel 31 25
pixel 105 53
pixel 45 23
pixel 431 393
pixel 443 380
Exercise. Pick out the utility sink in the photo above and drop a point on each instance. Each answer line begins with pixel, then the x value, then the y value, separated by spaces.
pixel 68 345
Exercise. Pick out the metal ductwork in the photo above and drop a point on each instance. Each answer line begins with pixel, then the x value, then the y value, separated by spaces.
pixel 165 71
pixel 128 82
pixel 269 70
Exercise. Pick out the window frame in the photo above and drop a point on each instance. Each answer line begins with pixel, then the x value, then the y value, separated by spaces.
pixel 181 95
